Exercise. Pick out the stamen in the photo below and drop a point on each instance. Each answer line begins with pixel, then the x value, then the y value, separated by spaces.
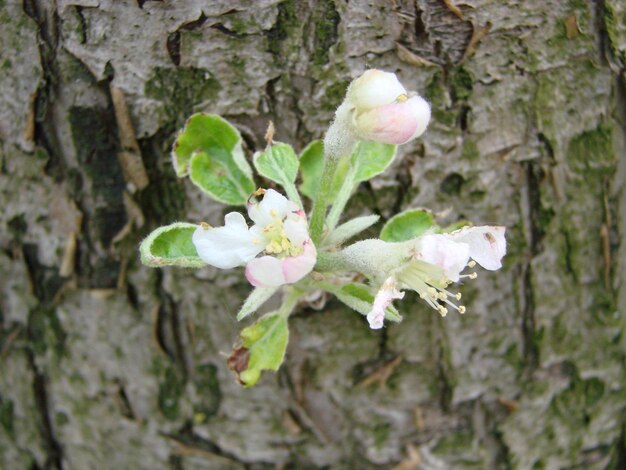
pixel 461 309
pixel 442 310
pixel 470 275
pixel 205 226
pixel 458 296
pixel 471 264
pixel 402 98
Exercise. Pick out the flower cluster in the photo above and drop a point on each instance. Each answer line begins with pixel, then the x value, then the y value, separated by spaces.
pixel 284 249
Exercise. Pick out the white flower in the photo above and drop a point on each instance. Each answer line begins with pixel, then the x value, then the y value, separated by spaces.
pixel 377 107
pixel 280 230
pixel 427 265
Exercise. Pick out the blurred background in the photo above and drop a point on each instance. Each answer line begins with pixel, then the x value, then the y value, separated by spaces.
pixel 105 363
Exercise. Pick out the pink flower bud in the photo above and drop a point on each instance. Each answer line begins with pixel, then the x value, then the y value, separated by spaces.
pixel 395 123
pixel 377 107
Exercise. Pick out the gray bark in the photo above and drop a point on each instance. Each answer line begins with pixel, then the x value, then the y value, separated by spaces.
pixel 108 364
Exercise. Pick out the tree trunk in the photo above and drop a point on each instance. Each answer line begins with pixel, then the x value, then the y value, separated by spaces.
pixel 109 364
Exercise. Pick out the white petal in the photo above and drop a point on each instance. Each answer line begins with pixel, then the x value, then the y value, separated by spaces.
pixel 228 246
pixel 274 205
pixel 449 255
pixel 421 108
pixel 296 229
pixel 265 271
pixel 374 88
pixel 487 244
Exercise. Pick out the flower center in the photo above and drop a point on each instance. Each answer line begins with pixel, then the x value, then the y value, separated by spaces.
pixel 431 285
pixel 278 242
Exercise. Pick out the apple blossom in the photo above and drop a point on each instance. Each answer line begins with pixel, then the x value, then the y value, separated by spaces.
pixel 426 265
pixel 280 230
pixel 377 107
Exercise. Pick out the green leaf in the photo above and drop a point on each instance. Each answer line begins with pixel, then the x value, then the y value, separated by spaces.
pixel 311 168
pixel 359 297
pixel 256 298
pixel 278 162
pixel 350 229
pixel 212 176
pixel 371 159
pixel 455 226
pixel 209 150
pixel 263 346
pixel 171 246
pixel 408 225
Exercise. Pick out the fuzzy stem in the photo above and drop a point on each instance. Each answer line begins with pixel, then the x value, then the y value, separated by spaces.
pixel 342 199
pixel 290 299
pixel 332 262
pixel 293 195
pixel 321 201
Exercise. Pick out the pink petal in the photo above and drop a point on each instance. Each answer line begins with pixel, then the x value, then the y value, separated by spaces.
pixel 266 271
pixel 296 267
pixel 395 123
pixel 387 293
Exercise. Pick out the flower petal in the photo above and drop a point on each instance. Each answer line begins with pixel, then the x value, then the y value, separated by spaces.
pixel 374 88
pixel 394 123
pixel 266 271
pixel 296 229
pixel 274 205
pixel 449 255
pixel 296 267
pixel 228 246
pixel 487 244
pixel 387 293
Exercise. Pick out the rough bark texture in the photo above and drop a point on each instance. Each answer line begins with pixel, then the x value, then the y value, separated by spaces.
pixel 108 364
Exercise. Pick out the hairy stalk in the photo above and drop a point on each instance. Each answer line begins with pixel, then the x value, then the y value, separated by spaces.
pixel 321 202
pixel 342 199
pixel 293 194
pixel 290 300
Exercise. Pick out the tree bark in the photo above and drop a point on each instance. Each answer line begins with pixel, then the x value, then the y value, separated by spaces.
pixel 109 364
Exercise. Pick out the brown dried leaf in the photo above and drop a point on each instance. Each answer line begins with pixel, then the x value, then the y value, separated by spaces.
pixel 510 405
pixel 477 34
pixel 382 374
pixel 238 361
pixel 454 9
pixel 412 461
pixel 406 55
pixel 69 256
pixel 571 27
pixel 269 134
pixel 130 158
